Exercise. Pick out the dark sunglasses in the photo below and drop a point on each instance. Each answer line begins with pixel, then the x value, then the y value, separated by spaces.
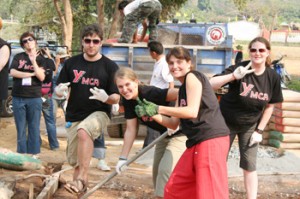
pixel 261 50
pixel 95 41
pixel 24 41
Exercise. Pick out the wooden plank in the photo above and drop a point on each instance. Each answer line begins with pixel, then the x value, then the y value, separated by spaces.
pixel 50 187
pixel 286 121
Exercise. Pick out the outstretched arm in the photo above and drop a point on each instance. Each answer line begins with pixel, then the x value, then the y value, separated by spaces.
pixel 219 81
pixel 129 136
pixel 191 109
pixel 238 73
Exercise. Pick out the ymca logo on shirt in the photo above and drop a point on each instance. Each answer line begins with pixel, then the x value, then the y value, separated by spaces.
pixel 248 91
pixel 146 118
pixel 22 64
pixel 79 78
pixel 182 102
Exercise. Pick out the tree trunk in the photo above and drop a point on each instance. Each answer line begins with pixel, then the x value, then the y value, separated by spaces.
pixel 272 25
pixel 115 22
pixel 66 20
pixel 100 6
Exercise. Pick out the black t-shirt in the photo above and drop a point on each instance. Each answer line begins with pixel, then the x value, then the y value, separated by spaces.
pixel 84 75
pixel 26 87
pixel 209 122
pixel 246 98
pixel 152 94
pixel 4 74
pixel 47 87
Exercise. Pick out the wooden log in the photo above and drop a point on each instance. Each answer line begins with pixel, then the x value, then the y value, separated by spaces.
pixel 287 138
pixel 286 121
pixel 284 129
pixel 286 113
pixel 278 144
pixel 50 187
pixel 290 145
pixel 290 96
pixel 19 162
pixel 290 106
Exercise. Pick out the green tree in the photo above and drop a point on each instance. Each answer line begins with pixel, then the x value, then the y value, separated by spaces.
pixel 240 4
pixel 204 5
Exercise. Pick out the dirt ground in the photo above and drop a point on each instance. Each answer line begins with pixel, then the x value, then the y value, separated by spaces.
pixel 136 182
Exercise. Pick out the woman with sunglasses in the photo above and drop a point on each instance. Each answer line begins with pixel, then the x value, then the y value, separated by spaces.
pixel 254 88
pixel 28 74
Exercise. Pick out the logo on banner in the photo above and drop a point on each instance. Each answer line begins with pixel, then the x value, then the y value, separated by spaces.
pixel 215 34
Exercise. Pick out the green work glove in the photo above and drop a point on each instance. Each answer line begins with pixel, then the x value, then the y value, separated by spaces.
pixel 150 108
pixel 139 109
pixel 274 143
pixel 276 135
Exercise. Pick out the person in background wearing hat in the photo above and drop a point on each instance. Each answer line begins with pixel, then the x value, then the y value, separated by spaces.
pixel 61 55
pixel 47 106
pixel 4 62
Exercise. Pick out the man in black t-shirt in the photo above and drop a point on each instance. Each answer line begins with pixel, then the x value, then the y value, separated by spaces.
pixel 89 76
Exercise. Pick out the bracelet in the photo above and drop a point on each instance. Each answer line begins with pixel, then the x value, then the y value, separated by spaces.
pixel 122 158
pixel 259 131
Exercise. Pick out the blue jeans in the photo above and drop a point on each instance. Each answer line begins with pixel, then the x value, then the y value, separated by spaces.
pixel 58 103
pixel 99 147
pixel 99 142
pixel 27 113
pixel 47 110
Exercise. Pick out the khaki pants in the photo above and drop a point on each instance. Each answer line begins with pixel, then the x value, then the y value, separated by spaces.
pixel 93 125
pixel 166 155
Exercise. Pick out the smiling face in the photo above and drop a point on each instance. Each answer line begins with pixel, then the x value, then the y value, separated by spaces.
pixel 258 53
pixel 127 88
pixel 179 61
pixel 179 67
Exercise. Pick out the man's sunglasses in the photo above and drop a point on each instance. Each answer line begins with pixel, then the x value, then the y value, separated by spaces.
pixel 24 41
pixel 261 50
pixel 95 41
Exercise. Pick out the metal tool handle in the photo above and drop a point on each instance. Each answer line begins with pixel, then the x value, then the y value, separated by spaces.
pixel 114 173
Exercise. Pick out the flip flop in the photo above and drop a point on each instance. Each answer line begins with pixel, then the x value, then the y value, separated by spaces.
pixel 77 186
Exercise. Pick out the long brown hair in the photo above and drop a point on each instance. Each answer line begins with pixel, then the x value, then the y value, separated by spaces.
pixel 180 53
pixel 267 44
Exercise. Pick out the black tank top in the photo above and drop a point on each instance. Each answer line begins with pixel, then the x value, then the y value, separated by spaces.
pixel 209 122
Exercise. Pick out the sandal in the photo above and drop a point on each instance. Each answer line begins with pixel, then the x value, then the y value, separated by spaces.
pixel 76 187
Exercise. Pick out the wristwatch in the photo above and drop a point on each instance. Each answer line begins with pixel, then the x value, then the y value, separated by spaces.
pixel 259 131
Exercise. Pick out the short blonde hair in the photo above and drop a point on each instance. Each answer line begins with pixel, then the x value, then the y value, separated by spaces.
pixel 126 73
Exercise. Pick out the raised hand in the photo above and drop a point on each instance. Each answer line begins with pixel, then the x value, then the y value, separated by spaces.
pixel 98 94
pixel 241 71
pixel 62 89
